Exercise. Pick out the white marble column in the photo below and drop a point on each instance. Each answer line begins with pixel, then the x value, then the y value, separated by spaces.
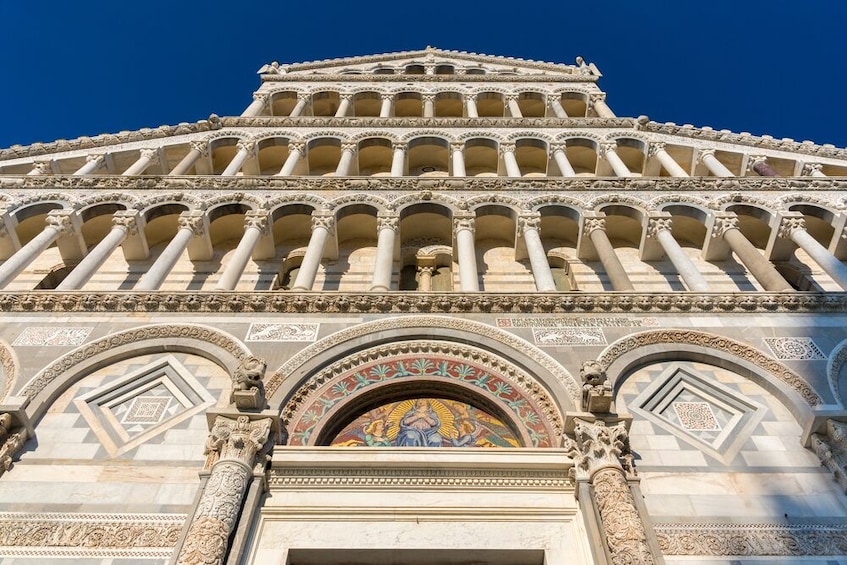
pixel 529 226
pixel 561 157
pixel 660 229
pixel 41 168
pixel 513 106
pixel 92 164
pixel 386 227
pixel 726 226
pixel 245 149
pixel 470 106
pixel 463 226
pixel 794 228
pixel 813 170
pixel 428 105
pixel 457 154
pixel 509 160
pixel 255 226
pixel 348 151
pixel 295 153
pixel 302 101
pixel 658 151
pixel 707 157
pixel 198 149
pixel 343 105
pixel 556 105
pixel 387 103
pixel 598 102
pixel 59 223
pixel 260 101
pixel 124 223
pixel 191 224
pixel 595 228
pixel 147 158
pixel 425 277
pixel 323 226
pixel 609 152
pixel 398 159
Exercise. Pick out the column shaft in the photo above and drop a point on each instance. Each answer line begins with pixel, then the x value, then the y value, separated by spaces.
pixel 95 258
pixel 468 274
pixel 470 105
pixel 618 166
pixel 602 109
pixel 762 269
pixel 558 109
pixel 669 164
pixel 459 162
pixel 715 167
pixel 344 163
pixel 565 166
pixel 384 264
pixel 398 162
pixel 140 165
pixel 92 164
pixel 820 255
pixel 290 164
pixel 238 261
pixel 385 109
pixel 163 265
pixel 185 164
pixel 425 278
pixel 298 108
pixel 514 108
pixel 611 264
pixel 511 163
pixel 13 266
pixel 681 262
pixel 312 260
pixel 428 106
pixel 538 261
pixel 255 108
pixel 343 107
pixel 236 163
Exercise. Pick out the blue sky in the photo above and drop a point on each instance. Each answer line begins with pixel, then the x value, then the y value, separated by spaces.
pixel 82 68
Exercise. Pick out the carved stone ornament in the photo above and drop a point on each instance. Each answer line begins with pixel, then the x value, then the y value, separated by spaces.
pixel 463 223
pixel 597 446
pixel 151 155
pixel 233 447
pixel 193 222
pixel 608 147
pixel 655 148
pixel 200 146
pixel 655 225
pixel 325 220
pixel 723 224
pixel 248 390
pixel 596 388
pixel 11 441
pixel 810 168
pixel 788 225
pixel 387 223
pixel 831 448
pixel 794 540
pixel 60 221
pixel 126 219
pixel 257 219
pixel 529 222
pixel 592 224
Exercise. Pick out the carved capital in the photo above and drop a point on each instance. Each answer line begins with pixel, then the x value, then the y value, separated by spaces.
pixel 463 223
pixel 789 224
pixel 261 96
pixel 42 168
pixel 704 154
pixel 592 224
pixel 655 225
pixel 831 447
pixel 61 221
pixel 257 219
pixel 246 146
pixel 297 146
pixel 387 96
pixel 596 446
pixel 563 147
pixel 96 158
pixel 428 97
pixel 304 96
pixel 126 219
pixel 426 270
pixel 200 146
pixel 608 147
pixel 240 440
pixel 325 220
pixel 596 388
pixel 387 222
pixel 655 148
pixel 507 148
pixel 469 96
pixel 194 222
pixel 510 98
pixel 596 97
pixel 152 155
pixel 529 222
pixel 723 224
pixel 457 147
pixel 399 147
pixel 346 96
pixel 351 147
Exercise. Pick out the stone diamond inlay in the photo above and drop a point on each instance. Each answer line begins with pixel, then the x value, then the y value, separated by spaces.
pixel 131 410
pixel 794 348
pixel 696 416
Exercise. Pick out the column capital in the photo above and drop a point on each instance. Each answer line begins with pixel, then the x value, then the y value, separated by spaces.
pixel 98 158
pixel 304 96
pixel 551 98
pixel 469 96
pixel 511 97
pixel 703 154
pixel 298 146
pixel 245 145
pixel 789 224
pixel 507 147
pixel 596 446
pixel 464 222
pixel 457 146
pixel 387 96
pixel 656 147
pixel 754 161
pixel 723 223
pixel 201 146
pixel 426 269
pixel 43 167
pixel 261 96
pixel 126 219
pixel 257 219
pixel 809 169
pixel 62 221
pixel 428 97
pixel 323 219
pixel 238 439
pixel 401 146
pixel 529 221
pixel 194 221
pixel 348 96
pixel 349 146
pixel 559 146
pixel 608 147
pixel 591 224
pixel 595 97
pixel 151 154
pixel 655 224
pixel 387 221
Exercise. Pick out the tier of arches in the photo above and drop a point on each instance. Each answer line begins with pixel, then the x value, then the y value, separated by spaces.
pixel 431 153
pixel 360 243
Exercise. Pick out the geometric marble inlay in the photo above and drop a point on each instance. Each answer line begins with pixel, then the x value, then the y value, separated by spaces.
pixel 579 322
pixel 696 416
pixel 568 336
pixel 699 410
pixel 56 337
pixel 127 412
pixel 282 332
pixel 794 348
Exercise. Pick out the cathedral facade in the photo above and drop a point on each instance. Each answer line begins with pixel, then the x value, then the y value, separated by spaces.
pixel 423 308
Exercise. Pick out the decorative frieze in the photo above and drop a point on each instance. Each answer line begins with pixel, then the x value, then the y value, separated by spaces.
pixel 752 540
pixel 550 337
pixel 578 322
pixel 39 336
pixel 282 332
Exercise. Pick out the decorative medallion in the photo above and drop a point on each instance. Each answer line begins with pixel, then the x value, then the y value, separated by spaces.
pixel 794 348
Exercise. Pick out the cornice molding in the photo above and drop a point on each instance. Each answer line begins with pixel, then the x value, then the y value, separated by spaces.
pixel 516 78
pixel 425 303
pixel 420 122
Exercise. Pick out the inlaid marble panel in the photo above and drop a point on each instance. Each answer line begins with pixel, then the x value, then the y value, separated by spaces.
pixel 794 348
pixel 36 336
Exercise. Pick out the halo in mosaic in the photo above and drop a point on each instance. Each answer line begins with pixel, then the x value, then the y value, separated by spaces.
pixel 426 422
pixel 533 428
